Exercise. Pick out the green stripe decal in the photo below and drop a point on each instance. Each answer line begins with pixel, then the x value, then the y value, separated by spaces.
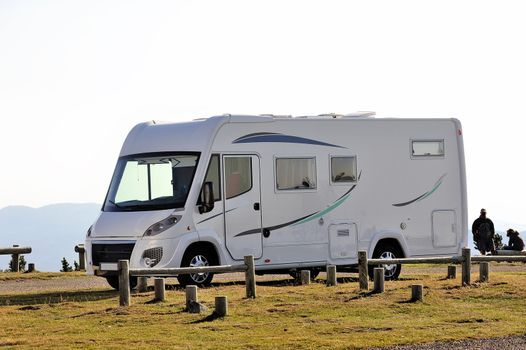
pixel 325 211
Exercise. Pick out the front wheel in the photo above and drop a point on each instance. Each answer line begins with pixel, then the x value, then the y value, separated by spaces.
pixel 387 251
pixel 197 257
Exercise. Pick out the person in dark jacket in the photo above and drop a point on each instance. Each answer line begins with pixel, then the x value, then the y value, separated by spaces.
pixel 483 233
pixel 515 242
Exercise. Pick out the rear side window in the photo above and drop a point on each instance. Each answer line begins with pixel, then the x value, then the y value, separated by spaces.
pixel 343 169
pixel 295 173
pixel 427 148
pixel 238 176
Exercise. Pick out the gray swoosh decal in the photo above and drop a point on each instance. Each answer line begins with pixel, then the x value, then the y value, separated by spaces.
pixel 426 194
pixel 281 138
pixel 411 201
pixel 352 188
pixel 249 232
pixel 272 228
pixel 215 216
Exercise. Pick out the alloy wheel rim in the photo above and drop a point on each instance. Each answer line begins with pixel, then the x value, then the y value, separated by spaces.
pixel 198 261
pixel 390 270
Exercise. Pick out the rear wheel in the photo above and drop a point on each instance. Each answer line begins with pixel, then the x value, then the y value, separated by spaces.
pixel 113 281
pixel 387 251
pixel 197 257
pixel 296 274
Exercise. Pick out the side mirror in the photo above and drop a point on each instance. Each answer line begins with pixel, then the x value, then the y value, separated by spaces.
pixel 207 198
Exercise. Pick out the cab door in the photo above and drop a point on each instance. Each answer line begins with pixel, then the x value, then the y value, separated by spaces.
pixel 242 205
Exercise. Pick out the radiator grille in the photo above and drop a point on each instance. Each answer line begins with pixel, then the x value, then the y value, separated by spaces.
pixel 109 253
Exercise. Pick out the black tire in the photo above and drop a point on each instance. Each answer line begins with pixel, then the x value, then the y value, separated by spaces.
pixel 385 251
pixel 296 274
pixel 113 281
pixel 197 256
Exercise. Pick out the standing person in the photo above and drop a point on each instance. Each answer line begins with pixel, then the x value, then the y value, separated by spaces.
pixel 515 242
pixel 483 233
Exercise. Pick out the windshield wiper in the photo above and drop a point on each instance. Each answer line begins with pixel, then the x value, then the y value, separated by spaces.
pixel 119 206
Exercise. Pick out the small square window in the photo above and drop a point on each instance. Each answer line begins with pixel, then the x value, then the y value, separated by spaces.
pixel 427 148
pixel 343 169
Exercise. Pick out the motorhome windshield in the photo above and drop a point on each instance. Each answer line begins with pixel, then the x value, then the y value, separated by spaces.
pixel 151 182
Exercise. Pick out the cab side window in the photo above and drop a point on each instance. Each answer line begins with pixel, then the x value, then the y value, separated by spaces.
pixel 212 175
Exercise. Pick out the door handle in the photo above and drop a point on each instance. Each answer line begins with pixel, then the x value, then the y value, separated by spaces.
pixel 256 206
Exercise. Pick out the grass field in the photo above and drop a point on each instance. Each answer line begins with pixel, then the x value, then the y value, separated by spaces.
pixel 283 316
pixel 40 275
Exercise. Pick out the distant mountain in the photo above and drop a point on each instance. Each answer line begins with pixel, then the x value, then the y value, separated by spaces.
pixel 52 231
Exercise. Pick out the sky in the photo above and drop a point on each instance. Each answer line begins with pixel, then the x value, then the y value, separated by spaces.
pixel 76 76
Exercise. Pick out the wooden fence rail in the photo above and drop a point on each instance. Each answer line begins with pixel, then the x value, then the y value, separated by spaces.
pixel 125 272
pixel 168 272
pixel 363 262
pixel 499 258
pixel 465 259
pixel 433 260
pixel 15 251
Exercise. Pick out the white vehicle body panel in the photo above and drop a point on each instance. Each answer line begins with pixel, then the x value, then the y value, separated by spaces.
pixel 418 201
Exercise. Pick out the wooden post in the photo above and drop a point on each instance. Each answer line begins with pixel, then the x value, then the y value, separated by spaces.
pixel 305 277
pixel 484 272
pixel 159 289
pixel 191 295
pixel 379 285
pixel 79 248
pixel 15 260
pixel 221 306
pixel 417 292
pixel 451 272
pixel 466 266
pixel 142 284
pixel 363 270
pixel 124 282
pixel 331 275
pixel 31 267
pixel 250 277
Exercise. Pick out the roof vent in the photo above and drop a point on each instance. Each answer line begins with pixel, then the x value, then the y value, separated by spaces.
pixel 361 114
pixel 330 115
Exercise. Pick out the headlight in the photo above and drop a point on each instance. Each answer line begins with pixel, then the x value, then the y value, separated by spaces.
pixel 162 225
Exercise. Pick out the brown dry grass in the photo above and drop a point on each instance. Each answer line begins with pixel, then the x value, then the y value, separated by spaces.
pixel 283 316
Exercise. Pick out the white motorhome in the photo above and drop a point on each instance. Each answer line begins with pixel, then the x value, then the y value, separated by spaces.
pixel 296 193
